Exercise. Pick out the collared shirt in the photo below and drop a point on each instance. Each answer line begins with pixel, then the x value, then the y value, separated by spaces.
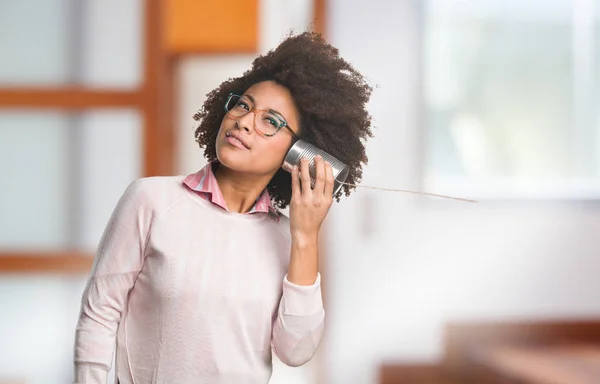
pixel 205 183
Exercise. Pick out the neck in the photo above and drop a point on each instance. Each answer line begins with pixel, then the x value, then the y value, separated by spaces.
pixel 240 190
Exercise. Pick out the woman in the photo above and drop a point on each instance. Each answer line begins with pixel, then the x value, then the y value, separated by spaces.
pixel 197 278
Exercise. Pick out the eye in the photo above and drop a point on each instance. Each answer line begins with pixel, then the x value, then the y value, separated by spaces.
pixel 242 104
pixel 272 121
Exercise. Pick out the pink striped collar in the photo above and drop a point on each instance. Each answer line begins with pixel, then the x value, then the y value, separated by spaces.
pixel 205 182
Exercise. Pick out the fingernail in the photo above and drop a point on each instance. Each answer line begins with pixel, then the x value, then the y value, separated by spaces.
pixel 318 157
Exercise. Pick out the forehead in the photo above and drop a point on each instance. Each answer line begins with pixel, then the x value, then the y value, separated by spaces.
pixel 270 95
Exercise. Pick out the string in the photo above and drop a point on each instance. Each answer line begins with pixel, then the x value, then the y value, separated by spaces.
pixel 417 192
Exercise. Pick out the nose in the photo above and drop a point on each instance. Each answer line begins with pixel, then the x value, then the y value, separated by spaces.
pixel 246 122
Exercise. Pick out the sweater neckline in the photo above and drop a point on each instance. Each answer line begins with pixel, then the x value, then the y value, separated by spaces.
pixel 254 216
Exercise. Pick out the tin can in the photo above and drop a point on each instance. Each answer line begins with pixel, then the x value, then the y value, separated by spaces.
pixel 302 149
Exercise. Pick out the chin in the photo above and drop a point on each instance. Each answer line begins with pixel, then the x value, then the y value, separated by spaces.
pixel 237 162
pixel 234 159
pixel 230 160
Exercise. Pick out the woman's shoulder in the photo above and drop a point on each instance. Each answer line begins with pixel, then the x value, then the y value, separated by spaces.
pixel 156 192
pixel 156 184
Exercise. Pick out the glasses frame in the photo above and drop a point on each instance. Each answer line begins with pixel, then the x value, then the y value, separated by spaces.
pixel 282 122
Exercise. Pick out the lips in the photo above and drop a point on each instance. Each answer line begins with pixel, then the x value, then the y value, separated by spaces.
pixel 236 140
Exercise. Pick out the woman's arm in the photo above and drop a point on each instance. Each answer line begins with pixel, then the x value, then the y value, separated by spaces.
pixel 298 327
pixel 118 261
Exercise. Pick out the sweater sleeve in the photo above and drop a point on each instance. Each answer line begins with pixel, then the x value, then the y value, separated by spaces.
pixel 299 324
pixel 117 264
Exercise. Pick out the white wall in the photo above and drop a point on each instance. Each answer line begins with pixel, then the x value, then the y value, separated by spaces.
pixel 426 261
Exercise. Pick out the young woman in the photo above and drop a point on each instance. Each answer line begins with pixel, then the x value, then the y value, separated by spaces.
pixel 198 278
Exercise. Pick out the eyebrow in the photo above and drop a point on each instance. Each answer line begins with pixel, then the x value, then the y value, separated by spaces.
pixel 270 110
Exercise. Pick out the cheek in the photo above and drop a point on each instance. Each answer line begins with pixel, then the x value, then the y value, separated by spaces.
pixel 225 123
pixel 219 134
pixel 279 148
pixel 271 153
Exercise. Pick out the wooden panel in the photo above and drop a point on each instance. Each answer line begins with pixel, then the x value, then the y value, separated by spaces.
pixel 46 262
pixel 159 127
pixel 211 26
pixel 320 17
pixel 413 374
pixel 464 340
pixel 573 364
pixel 67 98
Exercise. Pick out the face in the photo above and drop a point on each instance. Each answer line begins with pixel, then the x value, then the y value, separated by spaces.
pixel 242 148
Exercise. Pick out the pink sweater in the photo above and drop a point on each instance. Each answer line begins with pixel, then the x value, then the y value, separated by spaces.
pixel 191 293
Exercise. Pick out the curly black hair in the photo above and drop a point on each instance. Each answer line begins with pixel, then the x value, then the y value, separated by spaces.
pixel 330 96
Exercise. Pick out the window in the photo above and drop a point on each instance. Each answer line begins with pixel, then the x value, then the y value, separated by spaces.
pixel 83 111
pixel 511 96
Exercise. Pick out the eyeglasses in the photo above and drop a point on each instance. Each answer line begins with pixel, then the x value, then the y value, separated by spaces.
pixel 266 122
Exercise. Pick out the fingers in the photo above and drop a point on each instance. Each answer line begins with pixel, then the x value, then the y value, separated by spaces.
pixel 296 182
pixel 320 175
pixel 328 191
pixel 305 176
pixel 324 181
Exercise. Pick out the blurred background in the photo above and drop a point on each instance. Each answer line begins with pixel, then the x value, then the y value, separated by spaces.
pixel 496 100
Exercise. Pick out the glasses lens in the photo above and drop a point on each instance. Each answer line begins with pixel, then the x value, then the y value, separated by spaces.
pixel 237 105
pixel 268 123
